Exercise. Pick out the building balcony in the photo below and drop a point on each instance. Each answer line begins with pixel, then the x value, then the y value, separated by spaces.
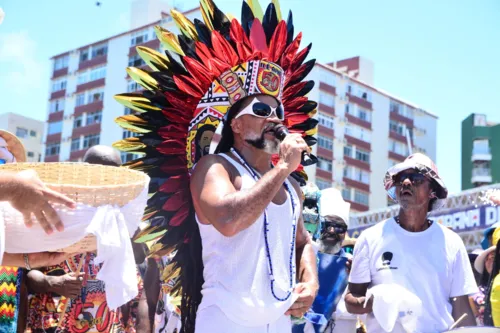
pixel 327 88
pixel 355 184
pixel 152 44
pixel 322 152
pixel 53 138
pixel 93 62
pixel 323 130
pixel 396 156
pixel 394 115
pixel 326 109
pixel 481 175
pixel 357 142
pixel 52 158
pixel 91 107
pixel 357 163
pixel 55 116
pixel 360 101
pixel 397 136
pixel 74 156
pixel 359 122
pixel 58 94
pixel 90 85
pixel 86 130
pixel 481 155
pixel 326 175
pixel 59 72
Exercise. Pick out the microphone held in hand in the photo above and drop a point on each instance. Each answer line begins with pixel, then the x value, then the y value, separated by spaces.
pixel 280 132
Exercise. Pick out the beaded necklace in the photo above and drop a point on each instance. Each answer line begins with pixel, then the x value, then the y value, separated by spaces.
pixel 266 230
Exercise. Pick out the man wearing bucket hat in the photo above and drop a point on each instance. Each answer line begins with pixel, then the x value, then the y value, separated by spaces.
pixel 425 258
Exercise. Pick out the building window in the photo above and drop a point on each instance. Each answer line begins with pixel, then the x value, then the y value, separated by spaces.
pixel 99 50
pixel 93 118
pixel 395 107
pixel 84 55
pixel 82 78
pixel 80 99
pixel 346 193
pixel 136 61
pixel 98 73
pixel 480 120
pixel 322 184
pixel 481 147
pixel 61 62
pixel 78 121
pixel 90 140
pixel 127 157
pixel 325 142
pixel 55 127
pixel 127 134
pixel 397 127
pixel 52 149
pixel 348 151
pixel 139 37
pixel 325 120
pixel 358 133
pixel 21 132
pixel 361 197
pixel 362 155
pixel 398 148
pixel 128 111
pixel 327 99
pixel 325 164
pixel 31 154
pixel 95 95
pixel 364 115
pixel 33 134
pixel 133 86
pixel 364 94
pixel 57 105
pixel 75 144
pixel 327 77
pixel 58 85
pixel 357 174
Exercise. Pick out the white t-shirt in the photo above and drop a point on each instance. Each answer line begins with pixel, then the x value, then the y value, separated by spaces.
pixel 432 264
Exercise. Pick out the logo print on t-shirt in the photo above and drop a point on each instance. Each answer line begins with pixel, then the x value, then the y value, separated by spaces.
pixel 386 261
pixel 386 258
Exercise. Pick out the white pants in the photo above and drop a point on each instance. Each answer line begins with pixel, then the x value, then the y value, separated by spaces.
pixel 213 320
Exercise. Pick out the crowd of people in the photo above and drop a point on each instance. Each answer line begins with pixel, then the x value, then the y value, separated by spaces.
pixel 236 240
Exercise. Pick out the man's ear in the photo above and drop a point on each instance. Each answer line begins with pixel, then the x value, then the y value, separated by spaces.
pixel 236 126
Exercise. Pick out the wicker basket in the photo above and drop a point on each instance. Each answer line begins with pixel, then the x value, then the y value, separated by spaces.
pixel 90 184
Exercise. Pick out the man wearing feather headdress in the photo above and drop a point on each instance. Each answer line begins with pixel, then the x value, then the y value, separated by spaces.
pixel 230 218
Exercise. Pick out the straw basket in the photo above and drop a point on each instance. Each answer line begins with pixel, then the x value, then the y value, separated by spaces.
pixel 90 184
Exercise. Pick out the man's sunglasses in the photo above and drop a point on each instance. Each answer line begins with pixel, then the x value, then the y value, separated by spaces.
pixel 415 178
pixel 262 110
pixel 337 228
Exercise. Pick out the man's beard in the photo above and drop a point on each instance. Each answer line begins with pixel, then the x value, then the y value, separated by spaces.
pixel 330 246
pixel 269 146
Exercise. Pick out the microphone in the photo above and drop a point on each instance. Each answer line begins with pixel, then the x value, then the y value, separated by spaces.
pixel 280 132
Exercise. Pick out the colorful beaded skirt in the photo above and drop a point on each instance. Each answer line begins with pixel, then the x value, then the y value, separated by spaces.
pixel 10 279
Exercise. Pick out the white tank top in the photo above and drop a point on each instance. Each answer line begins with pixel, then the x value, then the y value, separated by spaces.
pixel 236 268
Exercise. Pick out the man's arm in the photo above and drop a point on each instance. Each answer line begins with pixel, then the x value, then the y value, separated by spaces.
pixel 216 200
pixel 68 285
pixel 152 288
pixel 355 299
pixel 41 259
pixel 461 305
pixel 307 272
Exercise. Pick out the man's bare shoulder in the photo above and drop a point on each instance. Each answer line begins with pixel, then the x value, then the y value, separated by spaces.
pixel 212 163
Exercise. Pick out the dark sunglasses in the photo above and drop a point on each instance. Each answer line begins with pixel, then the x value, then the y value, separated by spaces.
pixel 337 228
pixel 415 178
pixel 263 110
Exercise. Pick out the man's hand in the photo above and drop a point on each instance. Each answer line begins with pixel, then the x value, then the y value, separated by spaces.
pixel 32 197
pixel 69 285
pixel 44 259
pixel 307 293
pixel 291 151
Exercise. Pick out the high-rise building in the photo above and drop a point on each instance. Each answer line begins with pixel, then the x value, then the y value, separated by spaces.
pixel 480 152
pixel 28 130
pixel 362 129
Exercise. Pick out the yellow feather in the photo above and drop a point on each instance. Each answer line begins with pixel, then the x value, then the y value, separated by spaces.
pixel 278 9
pixel 312 131
pixel 207 16
pixel 137 103
pixel 256 9
pixel 129 145
pixel 153 58
pixel 187 27
pixel 143 78
pixel 169 40
pixel 312 113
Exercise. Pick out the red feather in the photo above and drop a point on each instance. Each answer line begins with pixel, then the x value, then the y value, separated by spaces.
pixel 199 72
pixel 217 67
pixel 238 35
pixel 223 50
pixel 175 183
pixel 176 200
pixel 291 91
pixel 180 216
pixel 189 86
pixel 182 101
pixel 278 42
pixel 299 58
pixel 295 103
pixel 295 120
pixel 258 38
pixel 290 52
pixel 176 116
pixel 175 166
pixel 204 53
pixel 173 131
pixel 173 146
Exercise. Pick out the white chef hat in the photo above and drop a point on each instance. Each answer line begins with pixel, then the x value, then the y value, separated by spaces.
pixel 332 204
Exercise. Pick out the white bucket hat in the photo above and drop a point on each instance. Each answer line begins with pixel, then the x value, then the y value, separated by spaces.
pixel 332 204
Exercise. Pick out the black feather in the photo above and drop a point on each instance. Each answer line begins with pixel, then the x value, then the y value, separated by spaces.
pixel 221 23
pixel 306 125
pixel 270 22
pixel 308 66
pixel 308 107
pixel 307 88
pixel 204 34
pixel 247 18
pixel 175 66
pixel 310 140
pixel 289 28
pixel 188 46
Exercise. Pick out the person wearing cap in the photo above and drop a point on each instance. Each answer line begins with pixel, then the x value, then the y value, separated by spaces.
pixel 411 251
pixel 484 266
pixel 332 258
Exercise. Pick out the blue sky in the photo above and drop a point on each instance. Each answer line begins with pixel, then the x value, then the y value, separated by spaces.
pixel 442 55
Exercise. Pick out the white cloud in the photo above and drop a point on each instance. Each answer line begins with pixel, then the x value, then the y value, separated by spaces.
pixel 20 69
